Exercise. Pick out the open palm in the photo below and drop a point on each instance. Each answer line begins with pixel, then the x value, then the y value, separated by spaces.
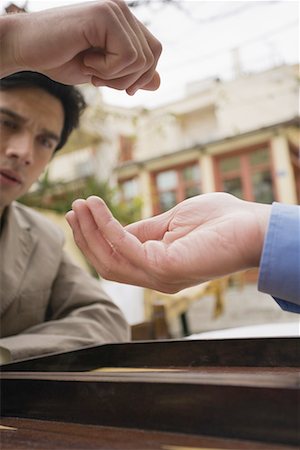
pixel 199 239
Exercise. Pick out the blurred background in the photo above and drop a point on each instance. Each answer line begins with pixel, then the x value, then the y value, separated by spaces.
pixel 226 118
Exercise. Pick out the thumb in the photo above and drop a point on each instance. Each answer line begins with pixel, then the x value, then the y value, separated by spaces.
pixel 153 228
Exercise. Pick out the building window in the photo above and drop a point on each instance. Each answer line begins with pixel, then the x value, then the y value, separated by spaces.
pixel 85 168
pixel 129 189
pixel 247 175
pixel 174 185
pixel 126 144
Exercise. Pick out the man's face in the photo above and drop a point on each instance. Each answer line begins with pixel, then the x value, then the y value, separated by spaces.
pixel 31 122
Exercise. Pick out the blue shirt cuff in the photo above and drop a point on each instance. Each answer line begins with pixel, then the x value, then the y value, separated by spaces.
pixel 288 306
pixel 279 273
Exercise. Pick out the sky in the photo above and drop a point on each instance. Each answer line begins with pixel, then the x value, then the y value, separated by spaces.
pixel 204 39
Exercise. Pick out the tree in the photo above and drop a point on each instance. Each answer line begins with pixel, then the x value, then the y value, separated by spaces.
pixel 60 196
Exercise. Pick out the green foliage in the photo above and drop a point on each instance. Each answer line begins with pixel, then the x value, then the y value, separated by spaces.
pixel 59 197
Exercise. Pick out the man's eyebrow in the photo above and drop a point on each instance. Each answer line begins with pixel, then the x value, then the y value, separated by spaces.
pixel 50 135
pixel 12 114
pixel 20 118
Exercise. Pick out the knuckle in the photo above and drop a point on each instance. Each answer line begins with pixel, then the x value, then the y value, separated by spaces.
pixel 143 63
pixel 107 8
pixel 115 6
pixel 120 3
pixel 128 56
pixel 131 55
pixel 157 48
pixel 150 62
pixel 101 7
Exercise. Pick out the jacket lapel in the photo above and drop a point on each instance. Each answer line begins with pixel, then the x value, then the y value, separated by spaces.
pixel 16 245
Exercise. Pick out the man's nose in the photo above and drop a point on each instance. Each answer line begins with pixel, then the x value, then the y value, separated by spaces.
pixel 20 147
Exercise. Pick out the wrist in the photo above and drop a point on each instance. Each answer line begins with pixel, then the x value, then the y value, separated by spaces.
pixel 262 213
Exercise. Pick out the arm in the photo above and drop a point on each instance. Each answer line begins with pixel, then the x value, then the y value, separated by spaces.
pixel 79 313
pixel 100 42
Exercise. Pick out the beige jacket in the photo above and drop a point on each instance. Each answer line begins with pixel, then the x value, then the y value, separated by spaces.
pixel 47 303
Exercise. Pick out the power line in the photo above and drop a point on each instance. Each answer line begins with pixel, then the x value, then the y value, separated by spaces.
pixel 243 44
pixel 224 15
pixel 180 5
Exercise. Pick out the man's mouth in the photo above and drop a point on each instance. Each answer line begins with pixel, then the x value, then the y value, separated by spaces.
pixel 9 176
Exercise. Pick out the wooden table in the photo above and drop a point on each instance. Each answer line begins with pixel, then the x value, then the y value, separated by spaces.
pixel 171 395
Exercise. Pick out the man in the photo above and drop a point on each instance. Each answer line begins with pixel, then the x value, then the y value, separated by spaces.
pixel 48 304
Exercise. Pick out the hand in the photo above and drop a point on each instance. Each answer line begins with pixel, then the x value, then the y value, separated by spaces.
pixel 202 238
pixel 100 42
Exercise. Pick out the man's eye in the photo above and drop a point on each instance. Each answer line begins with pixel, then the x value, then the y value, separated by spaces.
pixel 46 142
pixel 7 123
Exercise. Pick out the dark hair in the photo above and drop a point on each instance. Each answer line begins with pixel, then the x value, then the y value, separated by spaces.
pixel 71 98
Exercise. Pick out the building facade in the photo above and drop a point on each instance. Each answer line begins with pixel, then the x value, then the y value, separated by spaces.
pixel 240 137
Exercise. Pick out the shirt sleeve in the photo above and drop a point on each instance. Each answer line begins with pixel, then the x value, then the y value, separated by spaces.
pixel 279 273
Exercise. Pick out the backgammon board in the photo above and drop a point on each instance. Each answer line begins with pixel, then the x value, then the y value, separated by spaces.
pixel 169 395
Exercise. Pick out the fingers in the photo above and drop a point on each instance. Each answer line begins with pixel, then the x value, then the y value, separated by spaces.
pixel 123 243
pixel 151 49
pixel 117 254
pixel 107 262
pixel 86 227
pixel 103 240
pixel 150 80
pixel 131 52
pixel 83 244
pixel 123 82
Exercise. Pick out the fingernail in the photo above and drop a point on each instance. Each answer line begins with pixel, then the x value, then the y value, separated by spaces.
pixel 69 215
pixel 77 201
pixel 131 91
